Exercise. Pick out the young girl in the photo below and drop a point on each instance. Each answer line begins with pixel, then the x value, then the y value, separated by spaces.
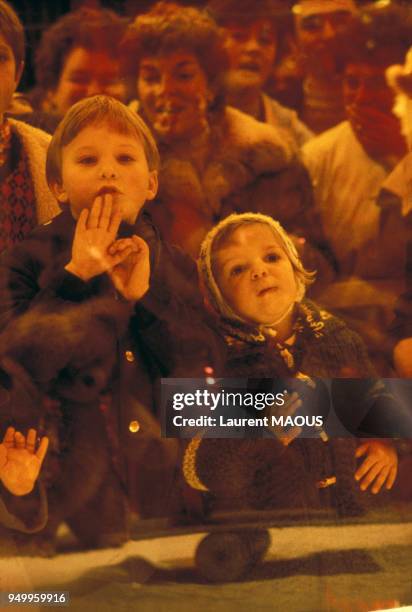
pixel 254 286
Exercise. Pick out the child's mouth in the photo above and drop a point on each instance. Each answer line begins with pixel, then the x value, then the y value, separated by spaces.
pixel 107 190
pixel 266 291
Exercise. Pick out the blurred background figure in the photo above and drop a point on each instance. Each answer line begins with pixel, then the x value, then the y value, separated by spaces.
pixel 25 199
pixel 251 39
pixel 350 163
pixel 78 57
pixel 318 23
pixel 215 159
pixel 399 185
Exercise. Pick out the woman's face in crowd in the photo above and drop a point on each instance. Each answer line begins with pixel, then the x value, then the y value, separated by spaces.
pixel 87 73
pixel 252 49
pixel 255 275
pixel 8 77
pixel 174 95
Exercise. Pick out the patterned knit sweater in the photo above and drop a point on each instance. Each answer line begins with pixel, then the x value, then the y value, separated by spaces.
pixel 263 473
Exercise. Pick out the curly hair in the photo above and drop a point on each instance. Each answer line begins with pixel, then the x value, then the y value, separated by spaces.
pixel 100 29
pixel 12 31
pixel 224 11
pixel 168 27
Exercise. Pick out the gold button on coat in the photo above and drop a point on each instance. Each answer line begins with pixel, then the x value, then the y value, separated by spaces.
pixel 129 356
pixel 134 426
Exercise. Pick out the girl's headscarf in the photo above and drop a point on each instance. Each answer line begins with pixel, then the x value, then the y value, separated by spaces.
pixel 210 288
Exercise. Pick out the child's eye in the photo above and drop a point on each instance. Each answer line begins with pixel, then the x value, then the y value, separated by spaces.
pixel 237 270
pixel 88 160
pixel 272 257
pixel 125 159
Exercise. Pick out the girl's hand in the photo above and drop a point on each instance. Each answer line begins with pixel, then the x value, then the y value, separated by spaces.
pixel 379 467
pixel 20 462
pixel 291 405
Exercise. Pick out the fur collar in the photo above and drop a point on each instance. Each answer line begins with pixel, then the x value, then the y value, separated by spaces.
pixel 241 150
pixel 35 143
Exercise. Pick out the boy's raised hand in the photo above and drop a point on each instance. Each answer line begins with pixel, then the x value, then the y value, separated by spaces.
pixel 379 467
pixel 96 230
pixel 20 462
pixel 131 273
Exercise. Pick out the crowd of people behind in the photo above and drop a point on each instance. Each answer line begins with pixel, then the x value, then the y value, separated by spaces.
pixel 148 144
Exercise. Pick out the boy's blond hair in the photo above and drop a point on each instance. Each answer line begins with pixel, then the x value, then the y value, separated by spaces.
pixel 98 110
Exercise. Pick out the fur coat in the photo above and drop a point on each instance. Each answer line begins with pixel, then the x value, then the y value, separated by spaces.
pixel 35 143
pixel 248 166
pixel 100 359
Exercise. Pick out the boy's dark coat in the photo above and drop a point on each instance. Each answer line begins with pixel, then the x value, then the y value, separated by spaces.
pixel 75 340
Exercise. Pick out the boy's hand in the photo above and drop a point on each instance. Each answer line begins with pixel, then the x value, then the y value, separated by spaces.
pixel 379 467
pixel 20 463
pixel 131 275
pixel 96 230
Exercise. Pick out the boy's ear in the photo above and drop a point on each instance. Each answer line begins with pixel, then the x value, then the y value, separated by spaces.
pixel 153 185
pixel 59 193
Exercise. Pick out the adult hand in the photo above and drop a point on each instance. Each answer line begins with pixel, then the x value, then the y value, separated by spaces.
pixel 20 462
pixel 131 275
pixel 379 132
pixel 96 230
pixel 379 467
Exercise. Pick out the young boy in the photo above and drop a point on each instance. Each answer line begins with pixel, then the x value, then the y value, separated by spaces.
pixel 102 167
pixel 254 284
pixel 25 199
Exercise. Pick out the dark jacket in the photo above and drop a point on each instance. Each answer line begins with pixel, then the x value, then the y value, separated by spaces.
pixel 78 339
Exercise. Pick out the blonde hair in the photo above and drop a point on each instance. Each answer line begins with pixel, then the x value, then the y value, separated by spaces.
pixel 98 110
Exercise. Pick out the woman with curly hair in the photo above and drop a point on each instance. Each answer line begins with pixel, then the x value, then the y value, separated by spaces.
pixel 215 159
pixel 77 57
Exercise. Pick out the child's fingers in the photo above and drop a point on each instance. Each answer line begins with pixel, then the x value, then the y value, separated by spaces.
pixel 120 256
pixel 106 212
pixel 120 245
pixel 8 439
pixel 291 434
pixel 381 478
pixel 81 224
pixel 361 450
pixel 391 477
pixel 95 212
pixel 42 450
pixel 142 244
pixel 31 440
pixel 19 440
pixel 370 476
pixel 366 465
pixel 115 220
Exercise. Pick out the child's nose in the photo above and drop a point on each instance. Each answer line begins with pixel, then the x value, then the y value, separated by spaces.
pixel 108 171
pixel 258 271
